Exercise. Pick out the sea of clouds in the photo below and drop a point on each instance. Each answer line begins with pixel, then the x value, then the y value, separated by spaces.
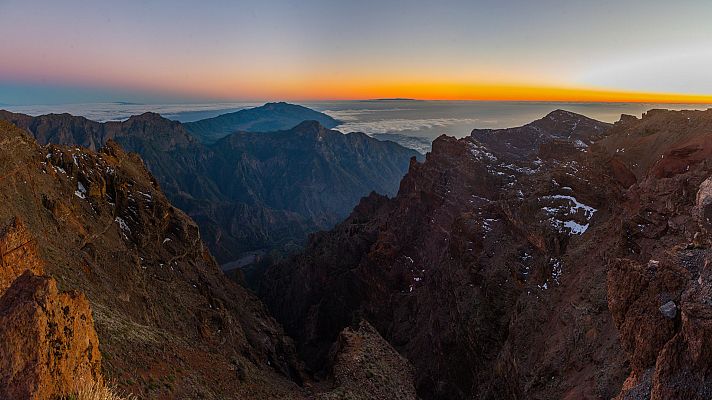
pixel 103 112
pixel 402 124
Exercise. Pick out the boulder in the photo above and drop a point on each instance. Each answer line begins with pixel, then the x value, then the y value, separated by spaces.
pixel 47 340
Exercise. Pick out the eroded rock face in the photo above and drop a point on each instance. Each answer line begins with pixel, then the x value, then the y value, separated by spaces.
pixel 47 340
pixel 249 191
pixel 483 271
pixel 659 290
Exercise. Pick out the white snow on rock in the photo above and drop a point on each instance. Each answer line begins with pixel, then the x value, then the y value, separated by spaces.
pixel 575 227
pixel 481 153
pixel 580 144
pixel 572 208
pixel 81 191
pixel 124 227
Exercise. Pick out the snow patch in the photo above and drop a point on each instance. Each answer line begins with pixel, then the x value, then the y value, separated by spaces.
pixel 124 227
pixel 81 191
pixel 572 209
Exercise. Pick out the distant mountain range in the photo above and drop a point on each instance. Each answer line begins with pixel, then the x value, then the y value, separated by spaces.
pixel 247 191
pixel 268 118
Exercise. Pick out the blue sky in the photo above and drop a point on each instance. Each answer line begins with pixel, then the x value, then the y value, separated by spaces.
pixel 73 51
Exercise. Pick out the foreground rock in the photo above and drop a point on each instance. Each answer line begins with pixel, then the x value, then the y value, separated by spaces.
pixel 48 344
pixel 18 253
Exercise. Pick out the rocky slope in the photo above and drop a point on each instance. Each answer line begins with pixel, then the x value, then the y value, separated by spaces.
pixel 546 261
pixel 169 324
pixel 267 118
pixel 659 285
pixel 249 191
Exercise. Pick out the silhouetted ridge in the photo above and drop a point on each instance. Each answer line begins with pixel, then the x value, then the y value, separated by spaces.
pixel 267 118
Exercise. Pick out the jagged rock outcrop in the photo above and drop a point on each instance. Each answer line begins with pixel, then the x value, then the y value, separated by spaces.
pixel 169 323
pixel 658 289
pixel 703 204
pixel 48 344
pixel 18 253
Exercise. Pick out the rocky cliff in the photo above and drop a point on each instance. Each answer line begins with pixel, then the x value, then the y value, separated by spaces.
pixel 562 259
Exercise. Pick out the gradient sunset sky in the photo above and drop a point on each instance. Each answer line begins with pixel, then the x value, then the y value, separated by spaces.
pixel 161 50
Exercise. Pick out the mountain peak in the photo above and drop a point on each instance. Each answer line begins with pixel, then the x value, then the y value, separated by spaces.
pixel 560 114
pixel 561 121
pixel 312 129
pixel 269 117
pixel 148 116
pixel 278 104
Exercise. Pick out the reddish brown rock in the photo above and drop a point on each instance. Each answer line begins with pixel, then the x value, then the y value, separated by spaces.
pixel 18 253
pixel 47 340
pixel 635 295
pixel 483 271
pixel 552 260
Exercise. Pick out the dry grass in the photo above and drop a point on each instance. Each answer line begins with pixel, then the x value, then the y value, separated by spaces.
pixel 90 390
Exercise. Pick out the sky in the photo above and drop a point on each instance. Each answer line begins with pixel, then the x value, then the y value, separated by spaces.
pixel 179 50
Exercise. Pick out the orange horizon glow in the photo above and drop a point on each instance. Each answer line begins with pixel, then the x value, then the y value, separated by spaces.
pixel 631 52
pixel 295 88
pixel 325 91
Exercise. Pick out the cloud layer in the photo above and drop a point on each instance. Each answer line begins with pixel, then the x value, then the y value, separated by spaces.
pixel 401 124
pixel 103 112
